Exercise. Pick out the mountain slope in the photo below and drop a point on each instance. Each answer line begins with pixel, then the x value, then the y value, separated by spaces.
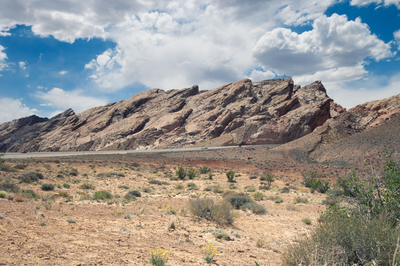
pixel 243 112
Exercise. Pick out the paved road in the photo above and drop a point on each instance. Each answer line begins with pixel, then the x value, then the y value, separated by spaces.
pixel 14 155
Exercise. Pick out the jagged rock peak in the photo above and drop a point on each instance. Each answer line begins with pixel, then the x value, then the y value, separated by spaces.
pixel 269 111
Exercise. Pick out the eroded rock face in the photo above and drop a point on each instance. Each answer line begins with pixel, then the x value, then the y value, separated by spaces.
pixel 243 112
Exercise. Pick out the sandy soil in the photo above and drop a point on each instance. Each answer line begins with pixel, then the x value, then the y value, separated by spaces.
pixel 117 232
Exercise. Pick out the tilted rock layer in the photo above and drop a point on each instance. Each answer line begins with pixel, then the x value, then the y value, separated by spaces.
pixel 244 112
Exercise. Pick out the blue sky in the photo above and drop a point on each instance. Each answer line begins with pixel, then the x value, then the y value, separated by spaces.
pixel 62 54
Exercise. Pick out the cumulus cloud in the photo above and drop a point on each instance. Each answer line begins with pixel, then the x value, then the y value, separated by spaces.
pixel 333 44
pixel 63 72
pixel 378 2
pixel 259 75
pixel 350 94
pixel 3 57
pixel 12 109
pixel 396 35
pixel 61 99
pixel 22 65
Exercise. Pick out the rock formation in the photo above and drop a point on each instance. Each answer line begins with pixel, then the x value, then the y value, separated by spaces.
pixel 244 112
pixel 361 131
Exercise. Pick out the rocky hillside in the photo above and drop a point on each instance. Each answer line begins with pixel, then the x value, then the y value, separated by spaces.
pixel 361 131
pixel 244 112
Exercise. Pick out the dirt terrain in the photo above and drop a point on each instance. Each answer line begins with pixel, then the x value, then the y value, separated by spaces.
pixel 72 228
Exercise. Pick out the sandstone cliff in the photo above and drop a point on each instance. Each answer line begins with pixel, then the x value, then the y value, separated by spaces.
pixel 244 112
pixel 361 131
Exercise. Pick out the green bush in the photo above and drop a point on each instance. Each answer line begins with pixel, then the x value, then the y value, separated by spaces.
pixel 230 175
pixel 204 170
pixel 191 173
pixel 376 187
pixel 238 200
pixel 221 234
pixel 313 181
pixel 254 207
pixel 30 177
pixel 135 193
pixel 66 185
pixel 269 178
pixel 343 238
pixel 9 186
pixel 181 172
pixel 102 195
pixel 285 190
pixel 47 187
pixel 20 166
pixel 73 172
pixel 258 196
pixel 220 212
pixel 3 194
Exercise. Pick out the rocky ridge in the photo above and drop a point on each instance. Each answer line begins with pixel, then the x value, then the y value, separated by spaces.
pixel 243 112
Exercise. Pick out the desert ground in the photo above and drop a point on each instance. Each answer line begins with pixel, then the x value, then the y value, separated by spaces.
pixel 71 226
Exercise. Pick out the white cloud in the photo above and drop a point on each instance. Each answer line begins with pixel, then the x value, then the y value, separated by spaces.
pixel 259 75
pixel 12 109
pixel 22 65
pixel 40 87
pixel 396 35
pixel 61 99
pixel 378 2
pixel 334 43
pixel 350 94
pixel 63 72
pixel 3 57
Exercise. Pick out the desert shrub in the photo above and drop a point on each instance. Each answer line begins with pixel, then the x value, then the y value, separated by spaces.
pixel 220 212
pixel 60 176
pixel 73 172
pixel 146 190
pixel 209 188
pixel 30 177
pixel 129 197
pixel 299 199
pixel 313 181
pixel 269 178
pixel 254 207
pixel 221 234
pixel 66 185
pixel 20 166
pixel 204 170
pixel 19 197
pixel 375 188
pixel 285 190
pixel 343 238
pixel 30 194
pixel 238 200
pixel 258 196
pixel 331 201
pixel 9 186
pixel 87 186
pixel 231 176
pixel 123 187
pixel 135 164
pixel 135 193
pixel 7 168
pixel 179 186
pixel 3 194
pixel 102 195
pixel 250 188
pixel 306 220
pixel 217 189
pixel 190 173
pixel 64 194
pixel 47 187
pixel 155 182
pixel 158 257
pixel 253 177
pixel 181 172
pixel 191 186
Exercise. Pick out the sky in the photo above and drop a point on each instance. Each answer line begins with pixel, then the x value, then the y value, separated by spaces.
pixel 61 54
